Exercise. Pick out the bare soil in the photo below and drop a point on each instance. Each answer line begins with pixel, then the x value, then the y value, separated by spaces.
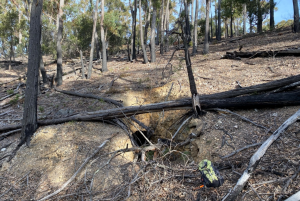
pixel 57 151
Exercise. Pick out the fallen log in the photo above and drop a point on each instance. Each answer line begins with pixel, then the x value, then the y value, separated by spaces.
pixel 279 53
pixel 244 102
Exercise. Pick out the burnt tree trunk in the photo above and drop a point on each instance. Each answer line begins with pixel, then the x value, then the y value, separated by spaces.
pixel 141 33
pixel 29 122
pixel 153 27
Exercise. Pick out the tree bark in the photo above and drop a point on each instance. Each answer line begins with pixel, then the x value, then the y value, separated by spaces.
pixel 147 23
pixel 59 72
pixel 162 28
pixel 231 19
pixel 206 45
pixel 82 66
pixel 272 23
pixel 186 39
pixel 103 41
pixel 259 17
pixel 296 16
pixel 29 122
pixel 141 33
pixel 167 25
pixel 93 40
pixel 98 53
pixel 219 20
pixel 153 28
pixel 244 18
pixel 195 42
pixel 43 70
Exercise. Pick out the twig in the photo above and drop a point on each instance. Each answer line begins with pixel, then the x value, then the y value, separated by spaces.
pixel 271 181
pixel 79 169
pixel 241 149
pixel 15 183
pixel 243 118
pixel 183 123
pixel 10 132
pixel 255 192
pixel 289 181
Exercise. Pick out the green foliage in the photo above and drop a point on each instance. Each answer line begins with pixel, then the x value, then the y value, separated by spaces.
pixel 10 91
pixel 41 109
pixel 15 100
pixel 284 23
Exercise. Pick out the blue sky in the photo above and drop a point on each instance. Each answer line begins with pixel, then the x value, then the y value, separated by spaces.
pixel 285 10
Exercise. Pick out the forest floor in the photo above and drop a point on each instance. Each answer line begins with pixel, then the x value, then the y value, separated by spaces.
pixel 57 151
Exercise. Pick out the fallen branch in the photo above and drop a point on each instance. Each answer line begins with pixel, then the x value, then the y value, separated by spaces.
pixel 79 169
pixel 10 132
pixel 243 118
pixel 294 197
pixel 255 159
pixel 241 149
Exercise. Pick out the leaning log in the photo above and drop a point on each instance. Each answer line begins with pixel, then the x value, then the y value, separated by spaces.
pixel 244 102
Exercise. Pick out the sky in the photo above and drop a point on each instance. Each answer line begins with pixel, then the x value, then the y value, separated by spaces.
pixel 285 10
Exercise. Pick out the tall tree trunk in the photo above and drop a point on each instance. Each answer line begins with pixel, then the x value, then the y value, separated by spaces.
pixel 167 25
pixel 186 39
pixel 259 17
pixel 158 29
pixel 162 28
pixel 226 28
pixel 219 20
pixel 43 70
pixel 29 122
pixel 98 53
pixel 206 45
pixel 133 34
pixel 153 27
pixel 211 28
pixel 147 23
pixel 272 24
pixel 192 14
pixel 231 20
pixel 93 40
pixel 59 72
pixel 141 33
pixel 296 16
pixel 104 57
pixel 244 18
pixel 216 20
pixel 20 30
pixel 195 42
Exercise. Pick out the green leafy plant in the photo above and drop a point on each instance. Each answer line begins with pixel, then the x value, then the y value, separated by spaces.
pixel 41 109
pixel 10 91
pixel 15 100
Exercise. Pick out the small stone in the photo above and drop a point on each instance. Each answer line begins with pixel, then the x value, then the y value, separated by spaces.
pixel 3 149
pixel 236 126
pixel 274 114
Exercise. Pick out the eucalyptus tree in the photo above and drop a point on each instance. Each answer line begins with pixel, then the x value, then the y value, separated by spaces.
pixel 206 44
pixel 272 23
pixel 153 28
pixel 195 28
pixel 93 40
pixel 219 21
pixel 296 16
pixel 133 26
pixel 162 17
pixel 29 122
pixel 141 33
pixel 167 18
pixel 103 41
pixel 59 72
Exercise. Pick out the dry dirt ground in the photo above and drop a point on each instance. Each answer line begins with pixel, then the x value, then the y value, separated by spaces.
pixel 57 151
